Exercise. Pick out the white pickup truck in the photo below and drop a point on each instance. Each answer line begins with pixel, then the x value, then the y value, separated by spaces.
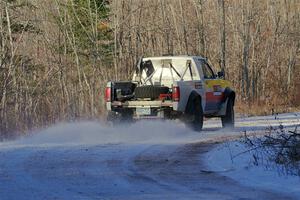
pixel 172 87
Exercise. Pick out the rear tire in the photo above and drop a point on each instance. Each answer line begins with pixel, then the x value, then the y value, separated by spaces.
pixel 194 115
pixel 118 118
pixel 127 116
pixel 228 119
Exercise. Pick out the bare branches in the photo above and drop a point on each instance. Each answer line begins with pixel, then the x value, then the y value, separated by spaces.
pixel 279 146
pixel 55 56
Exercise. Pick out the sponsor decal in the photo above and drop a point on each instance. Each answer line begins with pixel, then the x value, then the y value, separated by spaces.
pixel 217 93
pixel 198 85
pixel 217 88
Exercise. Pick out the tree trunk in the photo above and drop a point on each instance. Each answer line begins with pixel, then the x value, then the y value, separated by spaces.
pixel 222 35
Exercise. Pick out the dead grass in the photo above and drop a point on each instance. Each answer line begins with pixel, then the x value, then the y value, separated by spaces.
pixel 260 108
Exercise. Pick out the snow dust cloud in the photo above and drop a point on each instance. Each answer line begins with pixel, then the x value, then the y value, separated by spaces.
pixel 93 133
pixel 145 131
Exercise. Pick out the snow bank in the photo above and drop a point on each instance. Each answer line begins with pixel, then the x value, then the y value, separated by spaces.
pixel 229 160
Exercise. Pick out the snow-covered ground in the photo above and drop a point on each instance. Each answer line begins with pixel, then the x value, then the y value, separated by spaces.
pixel 227 159
pixel 145 160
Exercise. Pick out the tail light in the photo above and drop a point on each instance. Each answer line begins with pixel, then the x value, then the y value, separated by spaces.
pixel 108 94
pixel 176 93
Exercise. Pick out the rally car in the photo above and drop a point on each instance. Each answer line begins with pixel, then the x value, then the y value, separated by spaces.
pixel 172 87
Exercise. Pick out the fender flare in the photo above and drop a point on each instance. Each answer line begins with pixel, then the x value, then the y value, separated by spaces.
pixel 228 94
pixel 194 95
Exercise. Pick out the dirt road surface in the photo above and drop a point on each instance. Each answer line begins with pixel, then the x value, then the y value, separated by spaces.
pixel 146 160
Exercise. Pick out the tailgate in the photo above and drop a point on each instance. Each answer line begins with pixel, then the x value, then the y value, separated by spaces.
pixel 136 104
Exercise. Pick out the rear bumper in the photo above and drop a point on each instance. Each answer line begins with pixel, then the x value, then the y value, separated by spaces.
pixel 148 117
pixel 136 104
pixel 158 109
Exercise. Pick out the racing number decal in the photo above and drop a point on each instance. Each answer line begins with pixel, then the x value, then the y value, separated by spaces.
pixel 217 89
pixel 198 85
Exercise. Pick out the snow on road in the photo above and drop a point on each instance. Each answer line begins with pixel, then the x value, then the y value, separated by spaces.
pixel 145 160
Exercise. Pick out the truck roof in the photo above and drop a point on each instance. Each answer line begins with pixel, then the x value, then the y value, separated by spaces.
pixel 174 57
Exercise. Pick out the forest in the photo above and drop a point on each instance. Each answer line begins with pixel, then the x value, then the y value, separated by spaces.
pixel 57 55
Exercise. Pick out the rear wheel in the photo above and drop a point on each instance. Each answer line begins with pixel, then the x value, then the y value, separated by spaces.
pixel 228 119
pixel 194 115
pixel 117 118
pixel 127 116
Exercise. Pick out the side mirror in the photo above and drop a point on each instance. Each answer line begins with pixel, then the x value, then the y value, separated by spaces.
pixel 221 74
